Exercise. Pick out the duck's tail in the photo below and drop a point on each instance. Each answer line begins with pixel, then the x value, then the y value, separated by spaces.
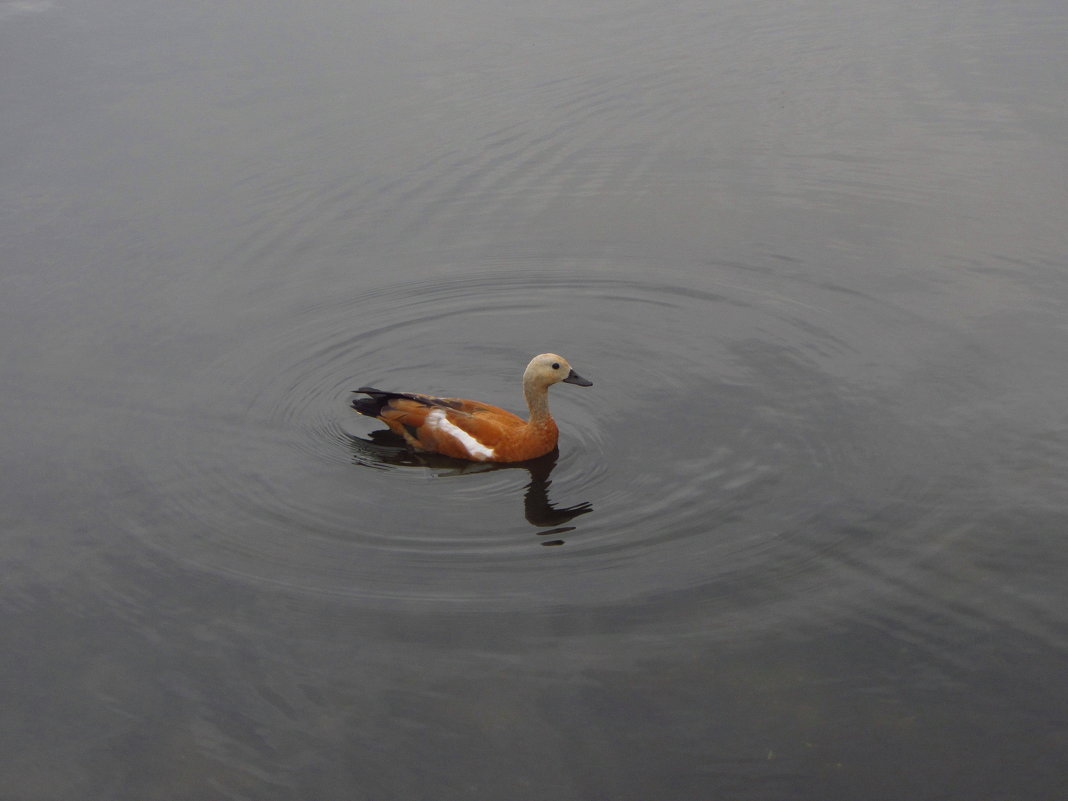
pixel 372 406
pixel 379 399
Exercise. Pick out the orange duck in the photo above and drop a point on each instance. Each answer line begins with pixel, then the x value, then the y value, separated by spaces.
pixel 467 429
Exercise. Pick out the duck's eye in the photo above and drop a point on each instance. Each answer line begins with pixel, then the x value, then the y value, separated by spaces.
pixel 556 365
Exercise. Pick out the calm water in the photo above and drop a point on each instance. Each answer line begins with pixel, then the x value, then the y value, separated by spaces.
pixel 805 537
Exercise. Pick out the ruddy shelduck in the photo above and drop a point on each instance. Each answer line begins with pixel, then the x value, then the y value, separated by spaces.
pixel 467 429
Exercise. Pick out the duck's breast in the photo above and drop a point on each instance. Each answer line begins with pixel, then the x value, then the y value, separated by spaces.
pixel 528 442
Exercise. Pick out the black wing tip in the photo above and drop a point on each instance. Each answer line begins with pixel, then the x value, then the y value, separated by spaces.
pixel 372 407
pixel 379 398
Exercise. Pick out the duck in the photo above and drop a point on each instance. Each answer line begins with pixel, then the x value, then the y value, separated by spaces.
pixel 472 430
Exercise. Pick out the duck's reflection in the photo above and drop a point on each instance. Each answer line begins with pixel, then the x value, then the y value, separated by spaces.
pixel 382 448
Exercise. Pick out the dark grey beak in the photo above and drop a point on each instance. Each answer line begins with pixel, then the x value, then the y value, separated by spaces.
pixel 575 378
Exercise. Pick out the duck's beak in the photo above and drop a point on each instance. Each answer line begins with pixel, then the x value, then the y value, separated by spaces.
pixel 575 378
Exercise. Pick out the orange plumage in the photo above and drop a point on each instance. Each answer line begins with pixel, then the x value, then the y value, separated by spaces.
pixel 467 429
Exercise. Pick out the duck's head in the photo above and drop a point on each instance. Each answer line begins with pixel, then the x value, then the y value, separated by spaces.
pixel 547 369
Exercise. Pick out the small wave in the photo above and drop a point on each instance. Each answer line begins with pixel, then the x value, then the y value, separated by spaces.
pixel 722 447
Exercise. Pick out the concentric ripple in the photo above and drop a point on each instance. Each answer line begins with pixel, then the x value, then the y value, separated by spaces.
pixel 723 444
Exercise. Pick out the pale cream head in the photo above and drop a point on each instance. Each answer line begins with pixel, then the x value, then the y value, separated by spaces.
pixel 547 369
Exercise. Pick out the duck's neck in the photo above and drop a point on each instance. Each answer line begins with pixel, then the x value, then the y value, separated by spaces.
pixel 537 396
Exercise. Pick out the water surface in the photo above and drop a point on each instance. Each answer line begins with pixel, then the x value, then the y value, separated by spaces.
pixel 803 538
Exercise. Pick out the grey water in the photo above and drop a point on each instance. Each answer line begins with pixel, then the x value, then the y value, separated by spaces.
pixel 805 537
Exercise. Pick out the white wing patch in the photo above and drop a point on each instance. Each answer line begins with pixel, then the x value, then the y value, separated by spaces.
pixel 475 449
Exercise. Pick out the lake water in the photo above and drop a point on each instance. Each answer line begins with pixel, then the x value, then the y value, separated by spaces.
pixel 806 536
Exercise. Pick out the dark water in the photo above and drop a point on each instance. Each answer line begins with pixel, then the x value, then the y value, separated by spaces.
pixel 808 527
